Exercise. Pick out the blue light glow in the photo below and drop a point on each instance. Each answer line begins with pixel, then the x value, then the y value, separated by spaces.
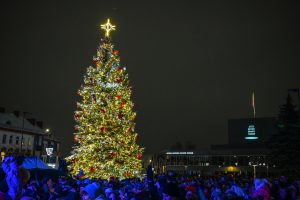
pixel 251 138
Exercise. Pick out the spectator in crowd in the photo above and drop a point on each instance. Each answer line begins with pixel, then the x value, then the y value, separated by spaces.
pixel 17 185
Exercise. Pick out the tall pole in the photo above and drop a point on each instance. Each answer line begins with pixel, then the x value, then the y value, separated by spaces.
pixel 253 104
pixel 254 171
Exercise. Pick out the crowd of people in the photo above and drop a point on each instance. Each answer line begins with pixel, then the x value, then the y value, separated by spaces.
pixel 16 184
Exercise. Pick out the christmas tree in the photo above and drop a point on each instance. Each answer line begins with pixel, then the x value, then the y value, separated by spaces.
pixel 104 132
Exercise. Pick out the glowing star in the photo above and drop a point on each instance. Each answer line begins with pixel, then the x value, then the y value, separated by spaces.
pixel 108 27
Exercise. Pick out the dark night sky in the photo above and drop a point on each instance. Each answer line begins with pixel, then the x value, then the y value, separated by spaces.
pixel 192 64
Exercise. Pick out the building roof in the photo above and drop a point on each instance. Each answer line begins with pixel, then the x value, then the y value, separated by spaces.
pixel 51 137
pixel 11 121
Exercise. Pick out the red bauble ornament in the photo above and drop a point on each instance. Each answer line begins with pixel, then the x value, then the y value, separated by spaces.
pixel 118 96
pixel 120 116
pixel 75 139
pixel 75 128
pixel 95 62
pixel 118 80
pixel 92 169
pixel 127 174
pixel 102 129
pixel 122 104
pixel 119 69
pixel 140 155
pixel 78 92
pixel 102 110
pixel 113 155
pixel 116 52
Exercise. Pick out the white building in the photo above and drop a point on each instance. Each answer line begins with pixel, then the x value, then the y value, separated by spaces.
pixel 20 135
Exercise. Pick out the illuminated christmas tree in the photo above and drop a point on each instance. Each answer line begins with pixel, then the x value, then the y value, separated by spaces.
pixel 104 135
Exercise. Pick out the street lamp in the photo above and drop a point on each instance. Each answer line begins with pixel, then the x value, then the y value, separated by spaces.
pixel 254 169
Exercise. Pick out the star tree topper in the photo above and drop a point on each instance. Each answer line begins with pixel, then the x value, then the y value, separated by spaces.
pixel 108 27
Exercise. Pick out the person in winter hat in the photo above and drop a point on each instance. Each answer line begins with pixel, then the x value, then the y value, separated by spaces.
pixel 92 191
pixel 107 192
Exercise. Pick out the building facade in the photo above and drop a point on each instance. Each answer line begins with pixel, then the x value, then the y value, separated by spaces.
pixel 25 136
pixel 246 152
pixel 208 163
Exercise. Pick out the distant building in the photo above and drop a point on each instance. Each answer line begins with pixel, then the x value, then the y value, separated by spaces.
pixel 248 136
pixel 24 136
pixel 209 163
pixel 246 152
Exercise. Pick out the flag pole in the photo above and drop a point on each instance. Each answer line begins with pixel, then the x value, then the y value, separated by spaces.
pixel 253 104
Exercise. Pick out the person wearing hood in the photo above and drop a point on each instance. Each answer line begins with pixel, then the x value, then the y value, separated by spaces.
pixel 16 176
pixel 91 191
